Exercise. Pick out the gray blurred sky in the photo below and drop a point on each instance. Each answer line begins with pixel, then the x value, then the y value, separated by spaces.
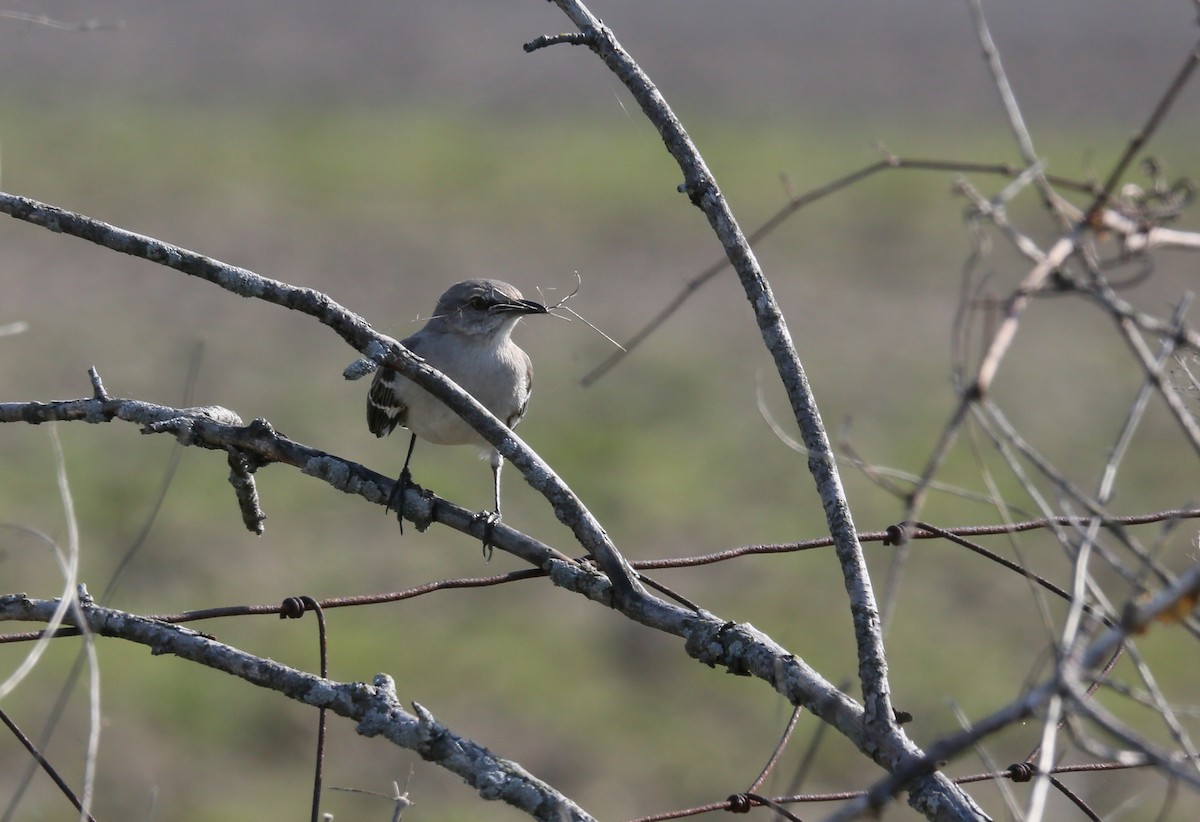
pixel 1094 59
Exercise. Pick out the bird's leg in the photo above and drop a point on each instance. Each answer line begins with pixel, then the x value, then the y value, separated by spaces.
pixel 401 485
pixel 490 518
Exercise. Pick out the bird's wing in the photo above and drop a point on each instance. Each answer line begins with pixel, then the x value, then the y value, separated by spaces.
pixel 385 408
pixel 524 392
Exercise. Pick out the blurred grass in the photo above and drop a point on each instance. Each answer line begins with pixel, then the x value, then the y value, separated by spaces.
pixel 382 209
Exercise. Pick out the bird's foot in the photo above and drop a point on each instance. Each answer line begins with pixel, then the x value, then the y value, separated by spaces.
pixel 396 498
pixel 489 520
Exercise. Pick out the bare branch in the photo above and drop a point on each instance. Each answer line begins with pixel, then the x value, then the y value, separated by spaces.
pixel 375 708
pixel 383 349
pixel 701 188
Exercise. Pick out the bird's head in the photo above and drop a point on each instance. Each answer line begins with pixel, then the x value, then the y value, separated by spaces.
pixel 483 307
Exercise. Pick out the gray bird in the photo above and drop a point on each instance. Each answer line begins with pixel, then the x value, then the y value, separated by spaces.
pixel 469 339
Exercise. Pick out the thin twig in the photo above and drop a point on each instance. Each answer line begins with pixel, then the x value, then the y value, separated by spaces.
pixel 44 764
pixel 1013 112
pixel 1139 140
pixel 789 208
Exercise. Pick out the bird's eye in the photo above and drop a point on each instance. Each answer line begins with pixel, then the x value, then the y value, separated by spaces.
pixel 478 303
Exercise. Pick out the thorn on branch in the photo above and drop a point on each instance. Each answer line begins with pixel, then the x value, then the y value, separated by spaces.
pixel 98 392
pixel 579 38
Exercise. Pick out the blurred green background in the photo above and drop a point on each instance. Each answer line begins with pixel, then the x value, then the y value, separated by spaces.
pixel 381 151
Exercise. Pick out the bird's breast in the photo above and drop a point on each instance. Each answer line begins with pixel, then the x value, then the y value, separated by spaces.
pixel 496 377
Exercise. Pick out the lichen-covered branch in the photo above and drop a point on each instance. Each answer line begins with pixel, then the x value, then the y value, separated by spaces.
pixel 376 708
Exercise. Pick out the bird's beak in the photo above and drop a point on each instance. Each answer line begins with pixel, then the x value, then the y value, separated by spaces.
pixel 522 307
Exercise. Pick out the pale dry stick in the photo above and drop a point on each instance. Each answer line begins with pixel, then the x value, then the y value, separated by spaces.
pixel 1003 441
pixel 68 560
pixel 1015 306
pixel 990 765
pixel 1006 439
pixel 1007 436
pixel 400 801
pixel 1052 717
pixel 1069 242
pixel 1137 617
pixel 1090 534
pixel 1064 704
pixel 997 214
pixel 1070 640
pixel 562 304
pixel 994 209
pixel 68 682
pixel 981 245
pixel 1162 705
pixel 380 348
pixel 1139 751
pixel 1137 408
pixel 1012 110
pixel 1164 608
pixel 1000 504
pixel 1137 238
pixel 1089 539
pixel 972 293
pixel 1186 420
pixel 92 749
pixel 1030 249
pixel 1133 337
pixel 1122 310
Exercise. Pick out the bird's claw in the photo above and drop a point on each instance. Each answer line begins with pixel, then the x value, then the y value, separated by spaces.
pixel 489 519
pixel 396 498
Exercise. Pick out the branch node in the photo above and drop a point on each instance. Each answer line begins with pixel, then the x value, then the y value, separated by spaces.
pixel 578 38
